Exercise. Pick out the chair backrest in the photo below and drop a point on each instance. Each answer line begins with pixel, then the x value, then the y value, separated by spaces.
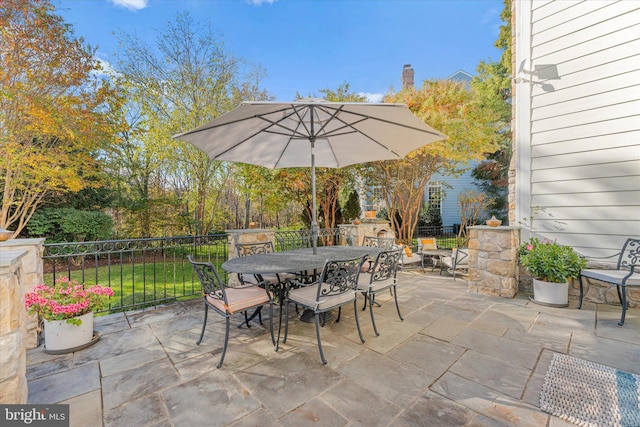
pixel 245 249
pixel 427 243
pixel 212 285
pixel 461 257
pixel 385 243
pixel 386 265
pixel 630 255
pixel 339 277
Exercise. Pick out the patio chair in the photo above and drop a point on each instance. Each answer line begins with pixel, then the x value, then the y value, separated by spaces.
pixel 337 286
pixel 226 300
pixel 457 262
pixel 624 275
pixel 381 277
pixel 385 243
pixel 246 249
pixel 429 244
pixel 408 257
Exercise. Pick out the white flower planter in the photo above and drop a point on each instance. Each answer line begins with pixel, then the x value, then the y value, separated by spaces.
pixel 62 337
pixel 552 294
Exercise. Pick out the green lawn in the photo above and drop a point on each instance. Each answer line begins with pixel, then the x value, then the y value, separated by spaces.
pixel 140 284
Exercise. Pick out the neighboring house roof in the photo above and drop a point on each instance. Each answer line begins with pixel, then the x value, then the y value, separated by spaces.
pixel 461 76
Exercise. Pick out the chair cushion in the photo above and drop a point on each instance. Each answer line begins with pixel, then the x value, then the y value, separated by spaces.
pixel 240 299
pixel 407 251
pixel 407 260
pixel 364 279
pixel 612 276
pixel 307 296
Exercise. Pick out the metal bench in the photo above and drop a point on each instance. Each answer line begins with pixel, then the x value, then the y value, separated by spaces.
pixel 622 276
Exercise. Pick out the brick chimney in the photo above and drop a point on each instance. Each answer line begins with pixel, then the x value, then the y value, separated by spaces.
pixel 407 76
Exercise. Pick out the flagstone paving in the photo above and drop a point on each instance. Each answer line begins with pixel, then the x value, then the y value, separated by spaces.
pixel 458 359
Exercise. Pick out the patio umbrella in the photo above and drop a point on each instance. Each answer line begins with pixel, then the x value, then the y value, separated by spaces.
pixel 312 132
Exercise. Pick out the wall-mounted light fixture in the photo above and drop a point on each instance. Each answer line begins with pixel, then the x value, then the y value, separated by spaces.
pixel 541 73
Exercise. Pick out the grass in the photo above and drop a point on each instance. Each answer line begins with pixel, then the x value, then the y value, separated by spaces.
pixel 141 284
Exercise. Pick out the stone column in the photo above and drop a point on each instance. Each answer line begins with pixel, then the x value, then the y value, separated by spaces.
pixel 254 235
pixel 31 274
pixel 13 356
pixel 493 257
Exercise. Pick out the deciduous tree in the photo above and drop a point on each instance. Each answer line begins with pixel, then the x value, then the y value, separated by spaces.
pixel 185 80
pixel 55 111
pixel 452 109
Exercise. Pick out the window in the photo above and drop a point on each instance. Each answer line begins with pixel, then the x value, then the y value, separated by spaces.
pixel 435 195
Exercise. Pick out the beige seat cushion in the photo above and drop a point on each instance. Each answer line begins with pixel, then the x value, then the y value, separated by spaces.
pixel 240 299
pixel 307 296
pixel 364 279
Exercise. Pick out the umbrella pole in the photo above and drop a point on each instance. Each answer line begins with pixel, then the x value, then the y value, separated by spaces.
pixel 314 223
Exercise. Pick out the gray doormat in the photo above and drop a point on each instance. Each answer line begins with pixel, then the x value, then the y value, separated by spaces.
pixel 589 394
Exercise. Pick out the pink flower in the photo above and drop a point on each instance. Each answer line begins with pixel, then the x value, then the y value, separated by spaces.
pixel 529 247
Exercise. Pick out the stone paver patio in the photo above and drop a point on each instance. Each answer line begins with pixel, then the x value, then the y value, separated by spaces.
pixel 458 359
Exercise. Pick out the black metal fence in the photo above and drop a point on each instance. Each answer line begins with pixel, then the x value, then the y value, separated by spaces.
pixel 153 271
pixel 142 272
pixel 447 236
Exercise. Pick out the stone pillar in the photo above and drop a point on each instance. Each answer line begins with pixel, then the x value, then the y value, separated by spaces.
pixel 254 235
pixel 31 274
pixel 493 257
pixel 13 356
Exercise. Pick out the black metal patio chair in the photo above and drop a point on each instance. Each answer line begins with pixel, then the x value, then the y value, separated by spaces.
pixel 378 242
pixel 623 276
pixel 380 277
pixel 336 286
pixel 226 300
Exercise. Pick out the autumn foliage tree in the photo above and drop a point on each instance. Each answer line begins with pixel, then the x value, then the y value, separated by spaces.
pixel 55 111
pixel 452 109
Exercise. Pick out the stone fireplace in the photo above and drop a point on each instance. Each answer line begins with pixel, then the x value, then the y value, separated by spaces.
pixel 353 234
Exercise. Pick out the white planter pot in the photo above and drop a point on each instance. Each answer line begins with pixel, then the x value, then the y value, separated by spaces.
pixel 62 337
pixel 553 294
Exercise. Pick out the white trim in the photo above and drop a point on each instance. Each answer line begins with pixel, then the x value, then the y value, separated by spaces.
pixel 522 101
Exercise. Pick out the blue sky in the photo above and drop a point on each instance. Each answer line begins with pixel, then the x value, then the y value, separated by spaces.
pixel 308 45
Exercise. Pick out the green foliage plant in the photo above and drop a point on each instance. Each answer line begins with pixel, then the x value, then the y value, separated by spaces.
pixel 351 209
pixel 71 225
pixel 550 262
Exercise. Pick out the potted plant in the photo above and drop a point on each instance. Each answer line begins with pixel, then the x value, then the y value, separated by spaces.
pixel 67 310
pixel 551 266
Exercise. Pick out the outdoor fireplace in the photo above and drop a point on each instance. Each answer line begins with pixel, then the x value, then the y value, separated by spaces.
pixel 353 234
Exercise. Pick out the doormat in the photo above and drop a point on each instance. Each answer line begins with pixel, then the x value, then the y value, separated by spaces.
pixel 589 394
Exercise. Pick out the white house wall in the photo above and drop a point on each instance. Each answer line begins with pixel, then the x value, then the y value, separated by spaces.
pixel 577 138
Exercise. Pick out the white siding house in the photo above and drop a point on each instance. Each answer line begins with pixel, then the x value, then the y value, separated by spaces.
pixel 577 131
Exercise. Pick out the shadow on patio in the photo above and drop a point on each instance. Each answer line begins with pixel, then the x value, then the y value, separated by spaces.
pixel 458 359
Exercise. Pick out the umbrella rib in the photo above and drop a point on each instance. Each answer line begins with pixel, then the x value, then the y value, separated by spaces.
pixel 365 117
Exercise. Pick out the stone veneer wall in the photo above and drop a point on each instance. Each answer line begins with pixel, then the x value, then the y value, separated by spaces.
pixel 13 360
pixel 31 275
pixel 493 255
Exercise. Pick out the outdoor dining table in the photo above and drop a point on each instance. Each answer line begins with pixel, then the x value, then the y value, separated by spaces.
pixel 294 261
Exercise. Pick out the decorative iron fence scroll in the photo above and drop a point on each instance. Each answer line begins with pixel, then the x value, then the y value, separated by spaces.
pixel 142 272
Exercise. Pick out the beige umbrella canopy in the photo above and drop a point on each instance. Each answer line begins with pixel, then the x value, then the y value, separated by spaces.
pixel 312 132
